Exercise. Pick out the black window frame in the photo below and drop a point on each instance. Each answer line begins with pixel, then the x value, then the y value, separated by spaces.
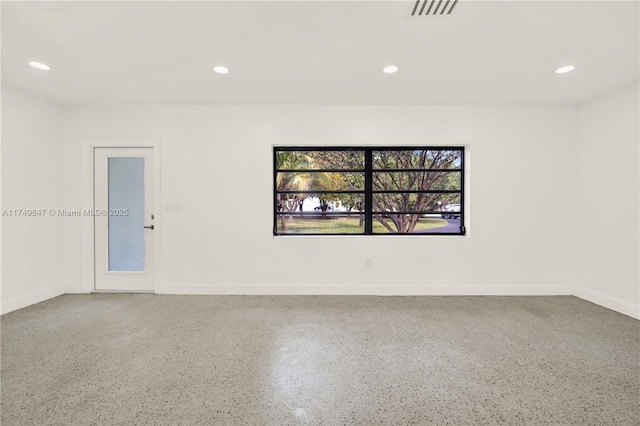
pixel 368 191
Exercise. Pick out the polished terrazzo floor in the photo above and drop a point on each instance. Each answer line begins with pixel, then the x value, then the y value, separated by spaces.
pixel 323 360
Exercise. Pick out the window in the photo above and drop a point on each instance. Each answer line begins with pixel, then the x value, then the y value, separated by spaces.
pixel 368 191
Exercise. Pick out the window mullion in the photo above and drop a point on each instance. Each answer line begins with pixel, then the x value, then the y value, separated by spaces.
pixel 368 191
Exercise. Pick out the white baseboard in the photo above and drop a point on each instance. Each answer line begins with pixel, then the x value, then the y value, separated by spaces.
pixel 354 290
pixel 75 289
pixel 30 299
pixel 368 290
pixel 608 302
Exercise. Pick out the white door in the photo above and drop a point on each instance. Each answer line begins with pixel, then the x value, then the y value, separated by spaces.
pixel 123 219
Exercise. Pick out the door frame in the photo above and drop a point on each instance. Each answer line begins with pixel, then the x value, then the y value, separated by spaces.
pixel 87 188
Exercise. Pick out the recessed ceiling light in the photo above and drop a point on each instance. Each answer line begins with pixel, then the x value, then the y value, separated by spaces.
pixel 390 69
pixel 40 65
pixel 565 69
pixel 221 70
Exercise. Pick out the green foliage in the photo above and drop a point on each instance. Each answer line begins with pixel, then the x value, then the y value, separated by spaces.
pixel 292 181
pixel 353 181
pixel 349 225
pixel 392 171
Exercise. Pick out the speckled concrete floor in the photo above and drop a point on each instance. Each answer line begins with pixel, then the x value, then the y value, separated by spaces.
pixel 233 360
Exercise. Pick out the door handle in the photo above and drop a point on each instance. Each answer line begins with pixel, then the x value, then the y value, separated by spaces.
pixel 149 227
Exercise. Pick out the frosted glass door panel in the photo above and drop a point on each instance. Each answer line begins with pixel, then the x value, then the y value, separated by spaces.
pixel 123 182
pixel 126 214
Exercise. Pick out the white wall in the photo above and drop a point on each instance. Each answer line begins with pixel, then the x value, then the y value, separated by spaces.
pixel 216 159
pixel 537 175
pixel 32 173
pixel 608 158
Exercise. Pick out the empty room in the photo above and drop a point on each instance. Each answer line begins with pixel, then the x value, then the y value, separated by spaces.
pixel 411 212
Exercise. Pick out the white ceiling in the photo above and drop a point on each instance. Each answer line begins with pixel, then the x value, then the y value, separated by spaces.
pixel 325 52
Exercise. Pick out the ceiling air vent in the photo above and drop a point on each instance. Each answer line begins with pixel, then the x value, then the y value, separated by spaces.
pixel 433 7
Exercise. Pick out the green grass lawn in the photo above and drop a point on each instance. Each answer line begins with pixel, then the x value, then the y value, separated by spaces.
pixel 347 225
